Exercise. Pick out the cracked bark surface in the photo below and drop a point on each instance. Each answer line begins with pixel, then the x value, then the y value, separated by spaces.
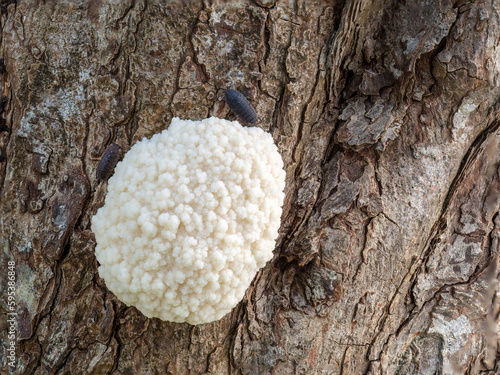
pixel 386 114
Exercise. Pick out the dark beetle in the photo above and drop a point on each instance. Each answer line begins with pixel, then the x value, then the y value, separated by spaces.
pixel 241 106
pixel 107 164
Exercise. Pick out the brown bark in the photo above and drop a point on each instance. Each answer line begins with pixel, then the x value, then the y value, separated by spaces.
pixel 386 115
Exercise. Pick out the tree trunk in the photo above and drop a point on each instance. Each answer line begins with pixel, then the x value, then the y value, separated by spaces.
pixel 386 114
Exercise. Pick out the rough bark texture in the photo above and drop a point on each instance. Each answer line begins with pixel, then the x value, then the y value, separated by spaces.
pixel 386 115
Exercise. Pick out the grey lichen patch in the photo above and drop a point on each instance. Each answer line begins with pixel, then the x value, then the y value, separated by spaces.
pixel 423 356
pixel 456 263
pixel 57 343
pixel 31 294
pixel 365 123
pixel 456 332
pixel 390 133
pixel 321 285
pixel 461 118
pixel 41 161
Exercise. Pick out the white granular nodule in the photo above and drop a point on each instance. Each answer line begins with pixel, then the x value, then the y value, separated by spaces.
pixel 190 216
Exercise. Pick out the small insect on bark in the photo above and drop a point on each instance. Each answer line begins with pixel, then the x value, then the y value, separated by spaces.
pixel 241 106
pixel 108 162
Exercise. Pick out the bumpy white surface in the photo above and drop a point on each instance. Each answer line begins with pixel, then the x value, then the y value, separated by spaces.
pixel 190 216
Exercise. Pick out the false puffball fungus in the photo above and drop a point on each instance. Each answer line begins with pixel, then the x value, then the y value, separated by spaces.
pixel 189 218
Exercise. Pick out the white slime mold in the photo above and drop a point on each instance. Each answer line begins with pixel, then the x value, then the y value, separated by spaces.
pixel 190 216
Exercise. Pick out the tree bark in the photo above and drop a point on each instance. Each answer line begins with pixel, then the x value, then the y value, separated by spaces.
pixel 386 114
